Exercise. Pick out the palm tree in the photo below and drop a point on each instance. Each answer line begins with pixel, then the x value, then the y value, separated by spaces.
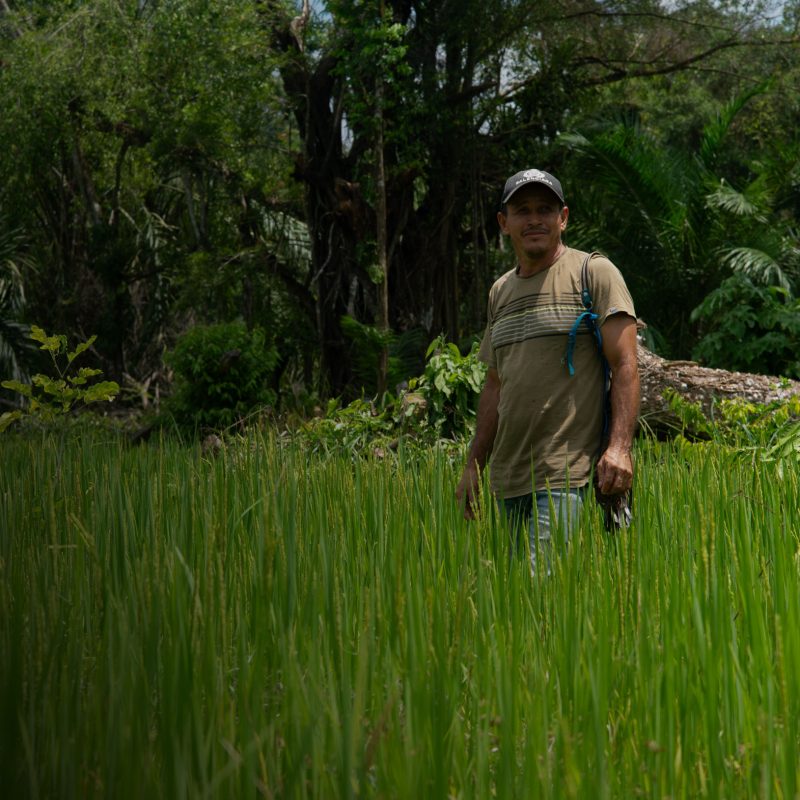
pixel 673 225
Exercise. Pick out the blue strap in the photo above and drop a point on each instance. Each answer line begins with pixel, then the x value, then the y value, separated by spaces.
pixel 589 317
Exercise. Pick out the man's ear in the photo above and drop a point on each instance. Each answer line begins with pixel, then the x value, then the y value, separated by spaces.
pixel 564 217
pixel 501 221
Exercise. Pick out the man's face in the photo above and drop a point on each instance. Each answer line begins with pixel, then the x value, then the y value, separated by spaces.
pixel 534 221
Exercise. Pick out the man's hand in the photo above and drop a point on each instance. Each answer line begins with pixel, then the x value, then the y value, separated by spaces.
pixel 468 490
pixel 615 471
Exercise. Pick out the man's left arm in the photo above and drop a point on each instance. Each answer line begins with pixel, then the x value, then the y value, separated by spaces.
pixel 615 467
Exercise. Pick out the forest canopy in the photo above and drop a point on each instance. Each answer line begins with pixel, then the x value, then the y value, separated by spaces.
pixel 327 174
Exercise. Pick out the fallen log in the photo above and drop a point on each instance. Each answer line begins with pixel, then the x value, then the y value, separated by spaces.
pixel 698 384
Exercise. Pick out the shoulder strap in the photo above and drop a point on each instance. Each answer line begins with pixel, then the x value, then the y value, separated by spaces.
pixel 616 508
pixel 587 316
pixel 586 294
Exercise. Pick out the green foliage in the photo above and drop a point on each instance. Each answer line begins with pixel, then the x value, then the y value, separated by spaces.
pixel 360 427
pixel 451 384
pixel 366 344
pixel 406 353
pixel 145 139
pixel 674 221
pixel 51 397
pixel 136 134
pixel 438 407
pixel 784 447
pixel 749 327
pixel 690 415
pixel 770 431
pixel 221 375
pixel 372 48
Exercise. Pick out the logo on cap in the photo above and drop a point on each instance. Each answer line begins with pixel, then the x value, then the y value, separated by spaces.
pixel 536 175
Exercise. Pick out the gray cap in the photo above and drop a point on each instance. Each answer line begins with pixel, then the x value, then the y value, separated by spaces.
pixel 528 176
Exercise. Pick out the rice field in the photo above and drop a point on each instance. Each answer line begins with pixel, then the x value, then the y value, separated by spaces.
pixel 264 622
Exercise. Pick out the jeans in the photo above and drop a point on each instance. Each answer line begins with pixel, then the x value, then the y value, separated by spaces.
pixel 542 526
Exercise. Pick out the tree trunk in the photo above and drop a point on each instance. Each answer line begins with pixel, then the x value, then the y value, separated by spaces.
pixel 701 385
pixel 381 234
pixel 336 212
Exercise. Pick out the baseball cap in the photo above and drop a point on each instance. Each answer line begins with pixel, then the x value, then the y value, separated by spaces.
pixel 527 176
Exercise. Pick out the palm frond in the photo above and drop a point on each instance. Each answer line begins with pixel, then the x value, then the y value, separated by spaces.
pixel 15 347
pixel 622 171
pixel 715 133
pixel 726 198
pixel 757 265
pixel 641 193
pixel 287 237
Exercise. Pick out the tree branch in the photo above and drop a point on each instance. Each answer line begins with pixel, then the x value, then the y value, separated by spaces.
pixel 5 10
pixel 618 73
pixel 298 25
pixel 608 15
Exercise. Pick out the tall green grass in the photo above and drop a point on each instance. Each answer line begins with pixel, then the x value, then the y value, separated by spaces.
pixel 267 623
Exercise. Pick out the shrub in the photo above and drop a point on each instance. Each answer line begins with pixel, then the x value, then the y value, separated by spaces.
pixel 750 328
pixel 438 407
pixel 51 397
pixel 222 373
pixel 770 430
pixel 406 353
pixel 452 384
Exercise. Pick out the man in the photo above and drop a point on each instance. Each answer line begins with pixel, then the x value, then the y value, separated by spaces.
pixel 541 425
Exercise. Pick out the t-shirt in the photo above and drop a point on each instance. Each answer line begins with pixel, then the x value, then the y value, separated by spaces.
pixel 550 423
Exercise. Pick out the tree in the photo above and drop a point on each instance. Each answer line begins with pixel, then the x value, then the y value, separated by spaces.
pixel 674 223
pixel 488 87
pixel 164 155
pixel 138 134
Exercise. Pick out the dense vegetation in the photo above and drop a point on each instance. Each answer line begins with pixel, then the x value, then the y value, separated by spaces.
pixel 328 174
pixel 228 210
pixel 269 622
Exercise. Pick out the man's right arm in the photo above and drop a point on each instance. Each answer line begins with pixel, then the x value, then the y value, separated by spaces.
pixel 481 447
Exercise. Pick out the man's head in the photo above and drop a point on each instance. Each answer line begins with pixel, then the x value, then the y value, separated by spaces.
pixel 533 217
pixel 529 177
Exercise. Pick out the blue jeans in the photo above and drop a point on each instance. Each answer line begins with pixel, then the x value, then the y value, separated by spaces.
pixel 562 516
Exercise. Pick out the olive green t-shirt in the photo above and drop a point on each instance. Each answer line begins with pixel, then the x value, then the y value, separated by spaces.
pixel 550 424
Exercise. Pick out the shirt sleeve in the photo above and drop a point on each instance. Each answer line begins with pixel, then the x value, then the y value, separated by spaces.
pixel 486 352
pixel 610 295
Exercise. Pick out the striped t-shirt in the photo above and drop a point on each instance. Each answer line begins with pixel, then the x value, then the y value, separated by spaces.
pixel 550 424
